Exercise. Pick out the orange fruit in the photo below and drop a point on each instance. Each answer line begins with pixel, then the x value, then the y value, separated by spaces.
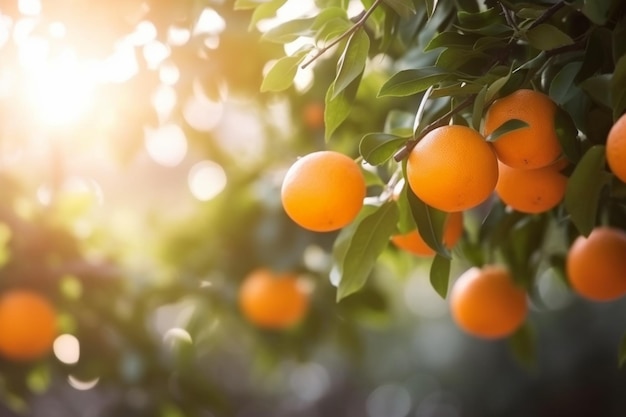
pixel 535 146
pixel 323 191
pixel 412 241
pixel 616 148
pixel 273 301
pixel 28 325
pixel 313 115
pixel 486 303
pixel 531 190
pixel 452 168
pixel 596 265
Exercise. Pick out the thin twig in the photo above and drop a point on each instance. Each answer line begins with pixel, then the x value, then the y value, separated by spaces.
pixel 440 121
pixel 550 11
pixel 509 18
pixel 362 19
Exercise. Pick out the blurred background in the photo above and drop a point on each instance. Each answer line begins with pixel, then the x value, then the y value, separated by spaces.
pixel 140 171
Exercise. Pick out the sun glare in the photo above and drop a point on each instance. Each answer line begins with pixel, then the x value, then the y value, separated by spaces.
pixel 60 90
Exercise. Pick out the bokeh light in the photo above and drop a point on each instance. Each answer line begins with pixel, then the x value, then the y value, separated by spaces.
pixel 206 180
pixel 66 348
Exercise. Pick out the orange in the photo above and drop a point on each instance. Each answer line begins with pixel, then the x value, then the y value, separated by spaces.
pixel 412 241
pixel 531 190
pixel 452 168
pixel 313 115
pixel 535 146
pixel 323 191
pixel 616 148
pixel 273 301
pixel 486 303
pixel 28 325
pixel 596 265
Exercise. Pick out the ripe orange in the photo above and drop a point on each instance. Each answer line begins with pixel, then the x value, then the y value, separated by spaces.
pixel 28 325
pixel 486 303
pixel 531 190
pixel 273 301
pixel 596 265
pixel 323 191
pixel 616 148
pixel 535 146
pixel 412 241
pixel 452 168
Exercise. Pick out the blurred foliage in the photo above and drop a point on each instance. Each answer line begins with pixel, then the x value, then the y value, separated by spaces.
pixel 152 297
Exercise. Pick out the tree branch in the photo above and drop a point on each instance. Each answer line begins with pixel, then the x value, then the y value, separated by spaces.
pixel 362 18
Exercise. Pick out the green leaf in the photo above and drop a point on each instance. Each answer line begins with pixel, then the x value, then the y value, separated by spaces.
pixel 378 148
pixel 450 39
pixel 337 108
pixel 597 10
pixel 369 240
pixel 413 81
pixel 479 107
pixel 352 61
pixel 404 8
pixel 479 19
pixel 281 75
pixel 568 134
pixel 289 31
pixel 583 189
pixel 618 88
pixel 265 11
pixel 496 86
pixel 561 86
pixel 440 274
pixel 248 4
pixel 545 37
pixel 430 223
pixel 619 34
pixel 622 352
pixel 431 6
pixel 600 89
pixel 506 127
pixel 522 344
pixel 332 28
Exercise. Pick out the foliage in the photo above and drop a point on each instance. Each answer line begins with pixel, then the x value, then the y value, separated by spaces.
pixel 387 73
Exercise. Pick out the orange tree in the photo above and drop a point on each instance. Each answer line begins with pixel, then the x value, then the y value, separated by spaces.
pixel 527 85
pixel 430 101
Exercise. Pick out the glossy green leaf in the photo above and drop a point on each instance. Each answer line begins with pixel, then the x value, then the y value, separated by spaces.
pixel 370 238
pixel 430 223
pixel 568 134
pixel 479 19
pixel 506 127
pixel 337 108
pixel 599 89
pixel 546 37
pixel 413 81
pixel 265 11
pixel 448 39
pixel 404 8
pixel 352 61
pixel 431 6
pixel 561 86
pixel 495 87
pixel 378 148
pixel 618 88
pixel 584 187
pixel 289 31
pixel 440 274
pixel 479 107
pixel 597 10
pixel 281 75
